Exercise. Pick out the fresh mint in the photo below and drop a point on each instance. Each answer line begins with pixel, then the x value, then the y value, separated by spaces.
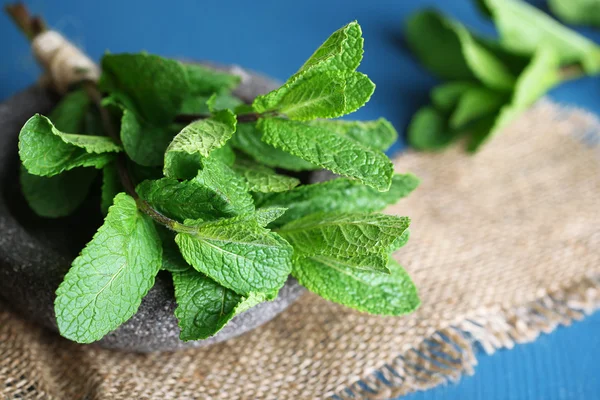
pixel 578 12
pixel 114 271
pixel 46 151
pixel 490 82
pixel 217 191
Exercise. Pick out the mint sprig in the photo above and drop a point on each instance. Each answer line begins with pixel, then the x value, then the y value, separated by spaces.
pixel 490 82
pixel 198 184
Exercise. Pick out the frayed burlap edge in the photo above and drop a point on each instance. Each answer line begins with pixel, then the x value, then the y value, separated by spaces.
pixel 450 352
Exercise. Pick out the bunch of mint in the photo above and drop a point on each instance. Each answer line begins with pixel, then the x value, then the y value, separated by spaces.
pixel 216 201
pixel 488 82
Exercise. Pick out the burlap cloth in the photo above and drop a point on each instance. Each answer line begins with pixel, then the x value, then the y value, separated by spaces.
pixel 505 245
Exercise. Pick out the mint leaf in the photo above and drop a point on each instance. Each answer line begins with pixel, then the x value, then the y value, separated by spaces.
pixel 336 153
pixel 320 96
pixel 344 235
pixel 46 151
pixel 264 216
pixel 428 130
pixel 223 101
pixel 108 280
pixel 446 48
pixel 152 86
pixel 446 96
pixel 476 103
pixel 264 179
pixel 200 137
pixel 357 92
pixel 577 12
pixel 524 29
pixel 59 195
pixel 217 191
pixel 111 186
pixel 70 113
pixel 204 307
pixel 339 55
pixel 247 138
pixel 383 294
pixel 343 50
pixel 324 95
pixel 144 143
pixel 432 40
pixel 237 253
pixel 401 241
pixel 538 77
pixel 488 68
pixel 339 195
pixel 206 81
pixel 378 134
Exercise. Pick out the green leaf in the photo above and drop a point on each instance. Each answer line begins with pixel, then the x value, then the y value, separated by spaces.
pixel 200 137
pixel 69 115
pixel 540 75
pixel 401 241
pixel 237 253
pixel 428 130
pixel 264 216
pixel 344 234
pixel 524 29
pixel 320 96
pixel 383 294
pixel 436 46
pixel 264 179
pixel 378 134
pixel 476 103
pixel 215 192
pixel 327 85
pixel 156 87
pixel 206 81
pixel 223 101
pixel 111 186
pixel 337 195
pixel 144 143
pixel 485 65
pixel 446 48
pixel 46 151
pixel 108 280
pixel 324 95
pixel 577 12
pixel 446 96
pixel 357 92
pixel 343 50
pixel 59 195
pixel 247 138
pixel 204 307
pixel 329 150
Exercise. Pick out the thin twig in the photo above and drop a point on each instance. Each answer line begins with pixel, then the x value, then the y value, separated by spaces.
pixel 31 26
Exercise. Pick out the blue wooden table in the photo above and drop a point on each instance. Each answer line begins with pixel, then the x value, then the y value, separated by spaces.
pixel 275 37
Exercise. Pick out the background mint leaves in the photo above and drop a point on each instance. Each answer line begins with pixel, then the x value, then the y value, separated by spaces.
pixel 209 189
pixel 490 82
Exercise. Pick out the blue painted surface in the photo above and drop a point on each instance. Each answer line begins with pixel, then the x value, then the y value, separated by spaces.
pixel 275 37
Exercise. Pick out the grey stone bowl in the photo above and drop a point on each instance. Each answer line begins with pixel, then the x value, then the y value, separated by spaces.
pixel 35 252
